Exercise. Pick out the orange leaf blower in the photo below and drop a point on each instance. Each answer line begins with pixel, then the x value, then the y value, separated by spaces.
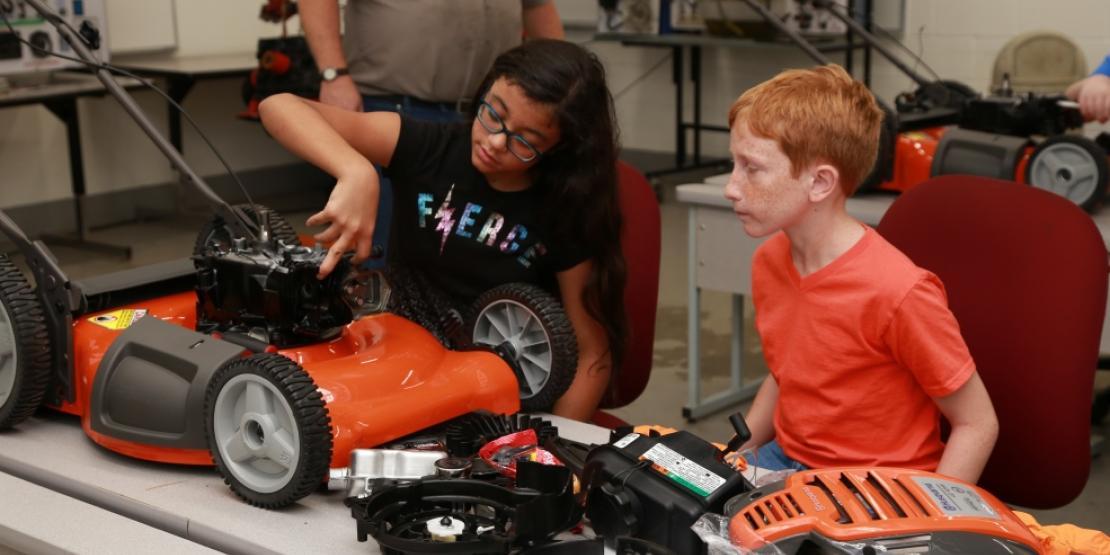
pixel 874 510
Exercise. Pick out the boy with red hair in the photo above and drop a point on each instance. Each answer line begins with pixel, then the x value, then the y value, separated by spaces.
pixel 864 354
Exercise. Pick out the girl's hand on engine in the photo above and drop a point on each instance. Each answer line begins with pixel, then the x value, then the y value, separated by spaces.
pixel 349 215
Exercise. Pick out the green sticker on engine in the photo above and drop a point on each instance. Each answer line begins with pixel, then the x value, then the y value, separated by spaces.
pixel 683 471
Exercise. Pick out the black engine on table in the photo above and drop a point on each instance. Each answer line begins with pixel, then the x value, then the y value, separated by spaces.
pixel 268 291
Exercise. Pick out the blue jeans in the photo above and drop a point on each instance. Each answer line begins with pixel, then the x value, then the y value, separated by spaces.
pixel 771 457
pixel 420 111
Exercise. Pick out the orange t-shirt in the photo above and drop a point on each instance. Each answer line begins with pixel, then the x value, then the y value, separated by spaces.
pixel 859 348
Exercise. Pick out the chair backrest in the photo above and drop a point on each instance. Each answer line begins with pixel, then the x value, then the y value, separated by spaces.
pixel 640 243
pixel 1026 275
pixel 1039 61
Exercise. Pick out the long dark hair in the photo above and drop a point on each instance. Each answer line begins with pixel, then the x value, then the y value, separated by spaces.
pixel 579 175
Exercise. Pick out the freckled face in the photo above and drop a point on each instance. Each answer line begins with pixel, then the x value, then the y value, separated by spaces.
pixel 533 121
pixel 764 193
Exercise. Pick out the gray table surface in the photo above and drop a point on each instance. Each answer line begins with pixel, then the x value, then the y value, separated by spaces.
pixel 867 208
pixel 868 205
pixel 52 452
pixel 34 519
pixel 59 85
pixel 198 66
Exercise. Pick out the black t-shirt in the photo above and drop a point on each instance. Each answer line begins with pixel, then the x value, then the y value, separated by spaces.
pixel 466 236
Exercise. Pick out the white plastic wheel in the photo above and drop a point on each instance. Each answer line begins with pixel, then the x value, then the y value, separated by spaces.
pixel 508 323
pixel 1072 167
pixel 529 328
pixel 8 362
pixel 256 433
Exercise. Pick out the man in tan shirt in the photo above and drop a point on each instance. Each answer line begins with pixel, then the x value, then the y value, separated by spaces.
pixel 422 57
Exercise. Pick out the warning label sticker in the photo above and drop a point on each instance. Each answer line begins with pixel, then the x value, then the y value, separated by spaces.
pixel 118 319
pixel 626 441
pixel 955 499
pixel 683 471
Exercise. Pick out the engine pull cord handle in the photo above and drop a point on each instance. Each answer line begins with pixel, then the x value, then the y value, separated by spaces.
pixel 743 434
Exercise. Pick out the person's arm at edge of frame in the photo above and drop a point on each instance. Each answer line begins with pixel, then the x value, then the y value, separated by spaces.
pixel 761 416
pixel 541 21
pixel 594 363
pixel 1093 93
pixel 974 430
pixel 346 145
pixel 320 21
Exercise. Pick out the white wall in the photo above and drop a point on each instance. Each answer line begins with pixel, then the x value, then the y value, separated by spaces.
pixel 958 38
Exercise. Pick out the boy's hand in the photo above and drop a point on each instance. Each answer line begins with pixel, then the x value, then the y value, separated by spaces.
pixel 737 461
pixel 349 215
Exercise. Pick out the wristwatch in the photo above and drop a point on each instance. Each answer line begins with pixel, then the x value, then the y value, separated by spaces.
pixel 331 73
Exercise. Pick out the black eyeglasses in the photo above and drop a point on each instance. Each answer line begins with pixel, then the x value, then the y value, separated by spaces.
pixel 518 145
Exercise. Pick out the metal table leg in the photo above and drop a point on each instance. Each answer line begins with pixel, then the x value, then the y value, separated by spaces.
pixel 65 109
pixel 737 392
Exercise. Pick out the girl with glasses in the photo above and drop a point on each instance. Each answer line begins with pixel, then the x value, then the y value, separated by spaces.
pixel 525 192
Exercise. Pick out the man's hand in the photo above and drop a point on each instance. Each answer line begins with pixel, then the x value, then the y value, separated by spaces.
pixel 1093 94
pixel 349 215
pixel 341 93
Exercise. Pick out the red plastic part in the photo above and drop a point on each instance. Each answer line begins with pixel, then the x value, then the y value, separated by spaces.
pixel 275 62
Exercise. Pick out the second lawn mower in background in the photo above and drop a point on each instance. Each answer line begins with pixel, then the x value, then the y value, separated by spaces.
pixel 946 127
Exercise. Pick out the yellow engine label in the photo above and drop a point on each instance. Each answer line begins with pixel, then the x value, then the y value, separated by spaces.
pixel 118 319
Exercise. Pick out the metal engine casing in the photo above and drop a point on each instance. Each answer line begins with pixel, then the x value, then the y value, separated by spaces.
pixel 269 291
pixel 1021 115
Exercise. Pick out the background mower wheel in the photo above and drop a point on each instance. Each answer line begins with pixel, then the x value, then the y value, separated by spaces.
pixel 24 347
pixel 532 329
pixel 1071 166
pixel 268 430
pixel 216 232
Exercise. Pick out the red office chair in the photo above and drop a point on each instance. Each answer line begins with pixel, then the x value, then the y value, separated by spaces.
pixel 1026 276
pixel 640 242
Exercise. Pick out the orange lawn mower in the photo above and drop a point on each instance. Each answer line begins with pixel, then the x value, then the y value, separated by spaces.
pixel 239 357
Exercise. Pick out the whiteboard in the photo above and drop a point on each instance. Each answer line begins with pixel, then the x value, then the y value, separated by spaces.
pixel 140 25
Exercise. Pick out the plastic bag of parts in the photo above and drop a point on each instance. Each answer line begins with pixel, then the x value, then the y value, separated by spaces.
pixel 504 452
pixel 747 462
pixel 713 530
pixel 760 477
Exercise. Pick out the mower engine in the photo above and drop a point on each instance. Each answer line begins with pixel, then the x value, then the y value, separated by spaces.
pixel 268 291
pixel 1021 115
pixel 874 510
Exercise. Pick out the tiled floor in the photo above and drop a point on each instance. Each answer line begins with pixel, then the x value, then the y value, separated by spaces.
pixel 661 403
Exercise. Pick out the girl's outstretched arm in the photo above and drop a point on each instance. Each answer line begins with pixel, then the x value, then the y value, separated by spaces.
pixel 594 363
pixel 346 145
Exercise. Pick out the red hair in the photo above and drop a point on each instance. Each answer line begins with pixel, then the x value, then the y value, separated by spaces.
pixel 818 115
